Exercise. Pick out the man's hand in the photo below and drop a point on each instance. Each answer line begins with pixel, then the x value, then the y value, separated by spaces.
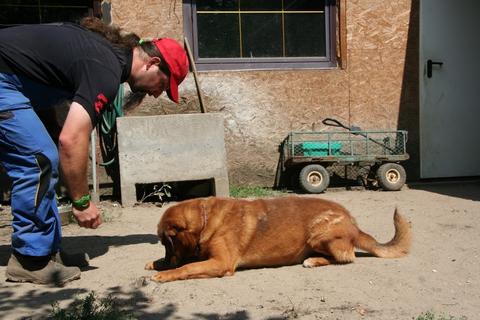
pixel 89 217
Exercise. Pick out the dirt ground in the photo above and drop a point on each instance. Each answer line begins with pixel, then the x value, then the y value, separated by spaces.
pixel 441 274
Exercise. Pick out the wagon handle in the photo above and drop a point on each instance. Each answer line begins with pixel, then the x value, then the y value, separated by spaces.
pixel 354 130
pixel 334 123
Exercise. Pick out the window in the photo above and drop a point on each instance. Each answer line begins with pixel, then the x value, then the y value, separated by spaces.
pixel 45 11
pixel 261 34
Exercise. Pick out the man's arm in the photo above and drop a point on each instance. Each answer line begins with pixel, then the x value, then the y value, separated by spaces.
pixel 73 151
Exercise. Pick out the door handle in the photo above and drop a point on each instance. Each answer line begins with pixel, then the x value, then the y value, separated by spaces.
pixel 430 65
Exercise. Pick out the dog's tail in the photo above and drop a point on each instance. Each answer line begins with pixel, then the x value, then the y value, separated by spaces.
pixel 399 246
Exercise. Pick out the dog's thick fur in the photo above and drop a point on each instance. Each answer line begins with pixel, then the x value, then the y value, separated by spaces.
pixel 212 237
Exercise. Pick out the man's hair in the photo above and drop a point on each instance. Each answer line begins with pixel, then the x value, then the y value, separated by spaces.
pixel 112 33
pixel 120 38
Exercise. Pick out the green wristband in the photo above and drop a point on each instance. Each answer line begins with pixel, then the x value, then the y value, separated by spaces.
pixel 82 203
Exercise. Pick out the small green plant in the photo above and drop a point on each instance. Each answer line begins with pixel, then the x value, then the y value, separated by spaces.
pixel 431 316
pixel 91 308
pixel 159 191
pixel 252 192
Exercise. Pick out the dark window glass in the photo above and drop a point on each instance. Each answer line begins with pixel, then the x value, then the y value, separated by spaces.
pixel 43 11
pixel 299 43
pixel 222 5
pixel 219 36
pixel 16 15
pixel 63 14
pixel 63 3
pixel 245 34
pixel 19 2
pixel 46 3
pixel 261 35
pixel 260 5
pixel 304 5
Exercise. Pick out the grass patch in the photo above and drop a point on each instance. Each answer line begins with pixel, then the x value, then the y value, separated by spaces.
pixel 91 308
pixel 253 192
pixel 432 316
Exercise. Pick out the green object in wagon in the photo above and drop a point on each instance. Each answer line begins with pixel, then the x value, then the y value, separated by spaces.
pixel 320 149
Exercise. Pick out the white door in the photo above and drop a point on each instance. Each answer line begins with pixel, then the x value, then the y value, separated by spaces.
pixel 450 95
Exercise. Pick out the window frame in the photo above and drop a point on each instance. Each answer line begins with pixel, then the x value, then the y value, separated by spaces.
pixel 219 64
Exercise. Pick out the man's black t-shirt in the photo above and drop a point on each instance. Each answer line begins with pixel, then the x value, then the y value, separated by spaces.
pixel 68 57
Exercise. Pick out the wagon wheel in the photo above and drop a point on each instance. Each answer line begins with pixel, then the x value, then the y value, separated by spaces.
pixel 314 178
pixel 391 176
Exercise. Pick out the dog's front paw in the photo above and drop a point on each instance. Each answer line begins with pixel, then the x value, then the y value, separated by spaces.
pixel 150 265
pixel 159 277
pixel 158 265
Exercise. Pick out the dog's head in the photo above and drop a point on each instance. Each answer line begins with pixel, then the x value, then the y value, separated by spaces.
pixel 180 229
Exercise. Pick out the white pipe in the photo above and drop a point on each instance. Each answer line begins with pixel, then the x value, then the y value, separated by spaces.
pixel 95 196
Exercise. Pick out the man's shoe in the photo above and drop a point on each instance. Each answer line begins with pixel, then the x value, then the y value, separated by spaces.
pixel 39 270
pixel 80 260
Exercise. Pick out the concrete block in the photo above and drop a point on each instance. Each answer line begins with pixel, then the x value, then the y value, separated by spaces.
pixel 166 148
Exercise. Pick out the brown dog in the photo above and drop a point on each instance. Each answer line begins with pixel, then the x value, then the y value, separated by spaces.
pixel 212 237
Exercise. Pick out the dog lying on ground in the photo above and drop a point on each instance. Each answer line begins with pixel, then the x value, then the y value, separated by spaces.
pixel 212 237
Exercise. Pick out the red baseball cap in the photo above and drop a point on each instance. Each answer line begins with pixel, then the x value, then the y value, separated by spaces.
pixel 177 61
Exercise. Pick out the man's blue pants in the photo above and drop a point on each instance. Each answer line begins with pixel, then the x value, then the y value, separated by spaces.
pixel 30 158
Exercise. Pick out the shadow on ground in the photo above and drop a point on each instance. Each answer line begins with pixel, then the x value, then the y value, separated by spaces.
pixel 465 189
pixel 93 245
pixel 135 303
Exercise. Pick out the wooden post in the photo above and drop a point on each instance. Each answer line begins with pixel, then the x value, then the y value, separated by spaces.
pixel 194 69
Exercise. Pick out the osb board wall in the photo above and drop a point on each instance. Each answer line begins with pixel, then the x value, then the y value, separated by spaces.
pixel 382 39
pixel 377 39
pixel 149 18
pixel 261 107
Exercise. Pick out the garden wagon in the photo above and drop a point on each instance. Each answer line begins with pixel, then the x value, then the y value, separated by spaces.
pixel 309 154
